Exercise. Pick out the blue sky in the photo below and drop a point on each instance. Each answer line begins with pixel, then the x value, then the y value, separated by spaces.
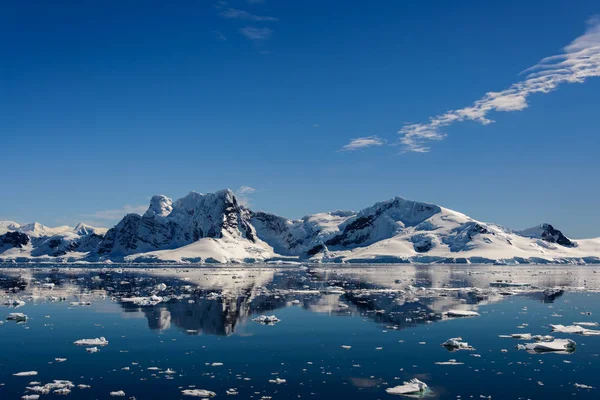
pixel 107 103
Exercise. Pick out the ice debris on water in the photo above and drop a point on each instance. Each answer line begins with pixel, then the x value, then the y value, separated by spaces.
pixel 559 345
pixel 30 397
pixel 56 385
pixel 278 381
pixel 454 344
pixel 414 386
pixel 143 301
pixel 26 373
pixel 582 386
pixel 92 349
pixel 118 393
pixel 266 320
pixel 461 313
pixel 198 393
pixel 579 330
pixel 18 317
pixel 101 341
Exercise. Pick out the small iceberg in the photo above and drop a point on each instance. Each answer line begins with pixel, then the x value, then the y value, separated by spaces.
pixel 26 373
pixel 18 317
pixel 118 393
pixel 414 386
pixel 198 393
pixel 101 341
pixel 518 336
pixel 558 345
pixel 267 320
pixel 454 344
pixel 579 330
pixel 461 313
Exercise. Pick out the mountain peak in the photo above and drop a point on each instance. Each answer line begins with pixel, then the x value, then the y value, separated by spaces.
pixel 160 205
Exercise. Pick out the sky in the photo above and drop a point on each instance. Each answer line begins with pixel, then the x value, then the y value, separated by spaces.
pixel 489 108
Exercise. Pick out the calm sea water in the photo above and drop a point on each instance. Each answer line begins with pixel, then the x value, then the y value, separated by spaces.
pixel 391 316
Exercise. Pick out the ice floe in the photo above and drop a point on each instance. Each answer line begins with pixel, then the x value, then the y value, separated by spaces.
pixel 198 393
pixel 559 345
pixel 414 386
pixel 461 313
pixel 576 329
pixel 26 373
pixel 266 320
pixel 56 385
pixel 118 393
pixel 101 341
pixel 454 344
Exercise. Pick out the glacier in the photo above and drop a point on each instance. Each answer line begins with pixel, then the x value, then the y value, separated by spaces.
pixel 218 228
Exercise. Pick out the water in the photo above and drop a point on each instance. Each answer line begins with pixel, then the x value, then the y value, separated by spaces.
pixel 206 317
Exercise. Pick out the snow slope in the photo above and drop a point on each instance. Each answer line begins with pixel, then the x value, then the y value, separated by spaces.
pixel 216 228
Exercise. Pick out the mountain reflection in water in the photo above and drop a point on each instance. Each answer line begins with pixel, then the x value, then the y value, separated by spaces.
pixel 215 301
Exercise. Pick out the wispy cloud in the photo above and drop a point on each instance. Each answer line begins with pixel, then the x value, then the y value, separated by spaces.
pixel 243 194
pixel 117 213
pixel 256 34
pixel 234 13
pixel 219 35
pixel 580 60
pixel 363 142
pixel 255 1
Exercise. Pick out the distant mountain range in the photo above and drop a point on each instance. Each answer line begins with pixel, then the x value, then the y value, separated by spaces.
pixel 216 228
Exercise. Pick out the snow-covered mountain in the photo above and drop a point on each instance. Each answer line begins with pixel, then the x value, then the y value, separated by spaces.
pixel 215 227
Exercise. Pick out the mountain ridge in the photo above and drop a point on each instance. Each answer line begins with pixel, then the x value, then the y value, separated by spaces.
pixel 217 228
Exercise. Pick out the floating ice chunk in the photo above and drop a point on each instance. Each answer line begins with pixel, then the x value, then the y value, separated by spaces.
pixel 161 286
pixel 62 391
pixel 19 317
pixel 118 393
pixel 454 344
pixel 143 301
pixel 449 362
pixel 561 345
pixel 231 392
pixel 92 349
pixel 60 360
pixel 47 388
pixel 267 319
pixel 519 336
pixel 216 364
pixel 461 313
pixel 169 371
pixel 278 381
pixel 82 386
pixel 574 329
pixel 582 386
pixel 30 397
pixel 586 323
pixel 414 386
pixel 198 393
pixel 48 286
pixel 26 373
pixel 101 341
pixel 542 338
pixel 346 347
pixel 80 303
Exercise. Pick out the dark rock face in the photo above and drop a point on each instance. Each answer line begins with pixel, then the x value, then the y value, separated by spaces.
pixel 358 231
pixel 464 234
pixel 189 219
pixel 315 250
pixel 422 243
pixel 551 235
pixel 14 239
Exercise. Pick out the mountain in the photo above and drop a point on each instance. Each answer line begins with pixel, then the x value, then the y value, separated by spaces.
pixel 217 228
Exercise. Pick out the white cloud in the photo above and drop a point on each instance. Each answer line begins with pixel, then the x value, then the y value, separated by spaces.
pixel 241 14
pixel 363 142
pixel 243 194
pixel 246 190
pixel 118 213
pixel 579 61
pixel 257 34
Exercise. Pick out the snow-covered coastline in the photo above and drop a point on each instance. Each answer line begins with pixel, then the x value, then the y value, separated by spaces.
pixel 216 229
